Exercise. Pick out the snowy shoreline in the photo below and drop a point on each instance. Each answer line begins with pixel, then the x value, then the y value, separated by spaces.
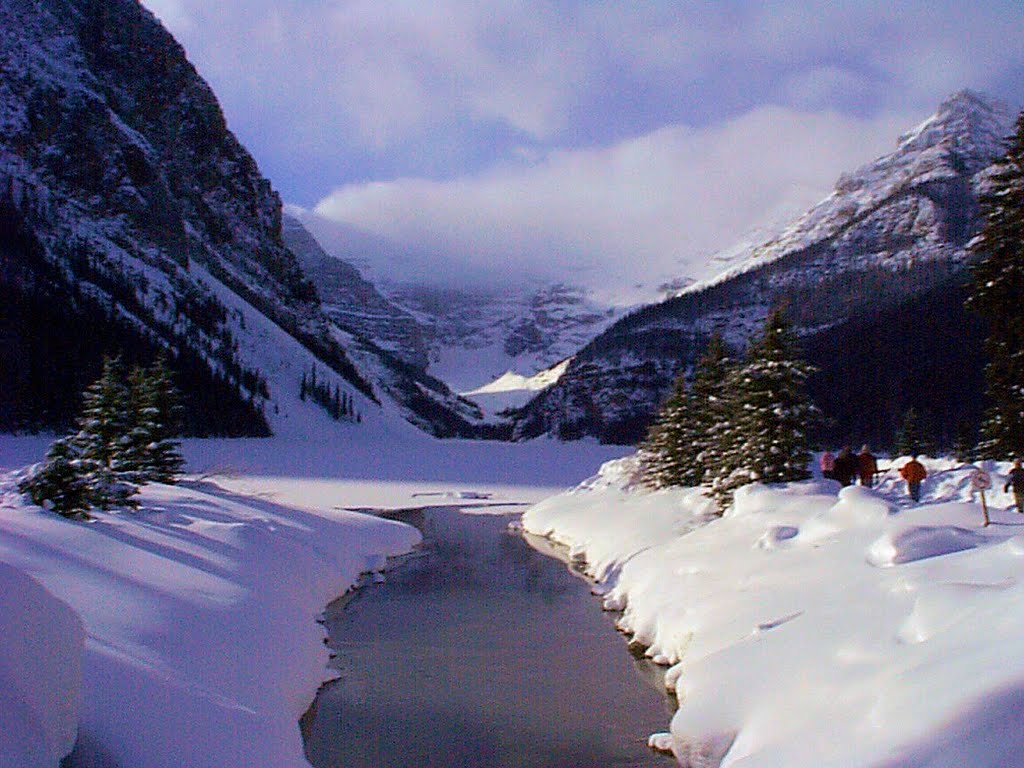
pixel 200 644
pixel 807 628
pixel 170 596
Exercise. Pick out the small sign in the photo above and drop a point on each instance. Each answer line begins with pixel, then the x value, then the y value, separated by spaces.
pixel 981 480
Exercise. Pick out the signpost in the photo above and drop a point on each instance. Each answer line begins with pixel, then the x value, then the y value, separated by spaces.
pixel 981 481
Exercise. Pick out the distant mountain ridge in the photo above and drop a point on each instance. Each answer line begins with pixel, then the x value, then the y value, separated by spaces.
pixel 472 333
pixel 892 235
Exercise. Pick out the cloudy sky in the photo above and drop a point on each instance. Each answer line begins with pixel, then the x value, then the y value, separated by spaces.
pixel 638 135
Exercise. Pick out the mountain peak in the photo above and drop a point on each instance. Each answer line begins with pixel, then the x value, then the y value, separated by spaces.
pixel 971 123
pixel 967 99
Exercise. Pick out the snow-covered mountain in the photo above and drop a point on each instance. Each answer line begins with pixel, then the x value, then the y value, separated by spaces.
pixel 479 334
pixel 474 332
pixel 887 246
pixel 132 221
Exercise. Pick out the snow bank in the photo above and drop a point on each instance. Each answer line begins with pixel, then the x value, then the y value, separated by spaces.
pixel 201 645
pixel 41 641
pixel 817 627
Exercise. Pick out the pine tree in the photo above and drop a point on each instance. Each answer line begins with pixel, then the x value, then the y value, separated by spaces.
pixel 158 423
pixel 908 437
pixel 125 437
pixel 103 442
pixel 710 405
pixel 998 294
pixel 60 482
pixel 103 425
pixel 767 414
pixel 680 440
pixel 666 457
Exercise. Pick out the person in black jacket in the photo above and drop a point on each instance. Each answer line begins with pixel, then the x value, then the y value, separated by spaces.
pixel 1016 481
pixel 845 468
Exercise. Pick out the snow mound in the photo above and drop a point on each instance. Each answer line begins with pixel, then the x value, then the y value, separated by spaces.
pixel 41 642
pixel 919 543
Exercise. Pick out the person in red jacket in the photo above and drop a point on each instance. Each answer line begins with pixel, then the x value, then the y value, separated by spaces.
pixel 828 465
pixel 914 473
pixel 867 467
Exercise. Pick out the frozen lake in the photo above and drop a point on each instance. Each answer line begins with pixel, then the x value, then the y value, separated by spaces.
pixel 482 651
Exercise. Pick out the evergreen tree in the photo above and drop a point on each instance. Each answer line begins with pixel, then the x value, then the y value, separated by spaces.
pixel 124 438
pixel 60 482
pixel 680 439
pixel 710 405
pixel 908 440
pixel 157 424
pixel 997 293
pixel 768 414
pixel 103 426
pixel 666 457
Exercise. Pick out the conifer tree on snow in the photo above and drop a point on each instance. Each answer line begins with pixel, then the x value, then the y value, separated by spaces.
pixel 680 440
pixel 711 403
pixel 103 423
pixel 102 446
pixel 60 483
pixel 998 294
pixel 667 458
pixel 764 436
pixel 156 412
pixel 125 437
pixel 908 436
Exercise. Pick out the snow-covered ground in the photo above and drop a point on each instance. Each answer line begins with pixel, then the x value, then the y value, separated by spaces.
pixel 808 627
pixel 184 634
pixel 817 627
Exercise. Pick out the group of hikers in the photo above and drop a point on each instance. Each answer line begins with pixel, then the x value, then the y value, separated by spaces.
pixel 848 467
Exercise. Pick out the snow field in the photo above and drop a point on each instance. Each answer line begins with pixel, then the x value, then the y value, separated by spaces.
pixel 201 646
pixel 813 626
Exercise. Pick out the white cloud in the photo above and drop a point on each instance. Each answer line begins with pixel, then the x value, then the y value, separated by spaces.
pixel 325 91
pixel 641 210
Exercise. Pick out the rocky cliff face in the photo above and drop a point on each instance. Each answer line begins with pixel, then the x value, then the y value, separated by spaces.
pixel 892 233
pixel 353 303
pixel 132 221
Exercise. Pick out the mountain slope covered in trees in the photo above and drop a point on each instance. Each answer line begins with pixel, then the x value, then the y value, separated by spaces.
pixel 132 222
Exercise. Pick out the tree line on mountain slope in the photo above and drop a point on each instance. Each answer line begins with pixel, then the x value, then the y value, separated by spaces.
pixel 739 422
pixel 338 405
pixel 53 312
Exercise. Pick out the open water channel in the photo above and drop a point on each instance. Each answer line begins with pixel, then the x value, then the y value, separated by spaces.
pixel 480 650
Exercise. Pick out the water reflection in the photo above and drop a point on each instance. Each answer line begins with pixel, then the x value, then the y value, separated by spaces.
pixel 481 652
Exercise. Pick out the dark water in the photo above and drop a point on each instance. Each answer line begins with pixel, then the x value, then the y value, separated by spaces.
pixel 482 652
